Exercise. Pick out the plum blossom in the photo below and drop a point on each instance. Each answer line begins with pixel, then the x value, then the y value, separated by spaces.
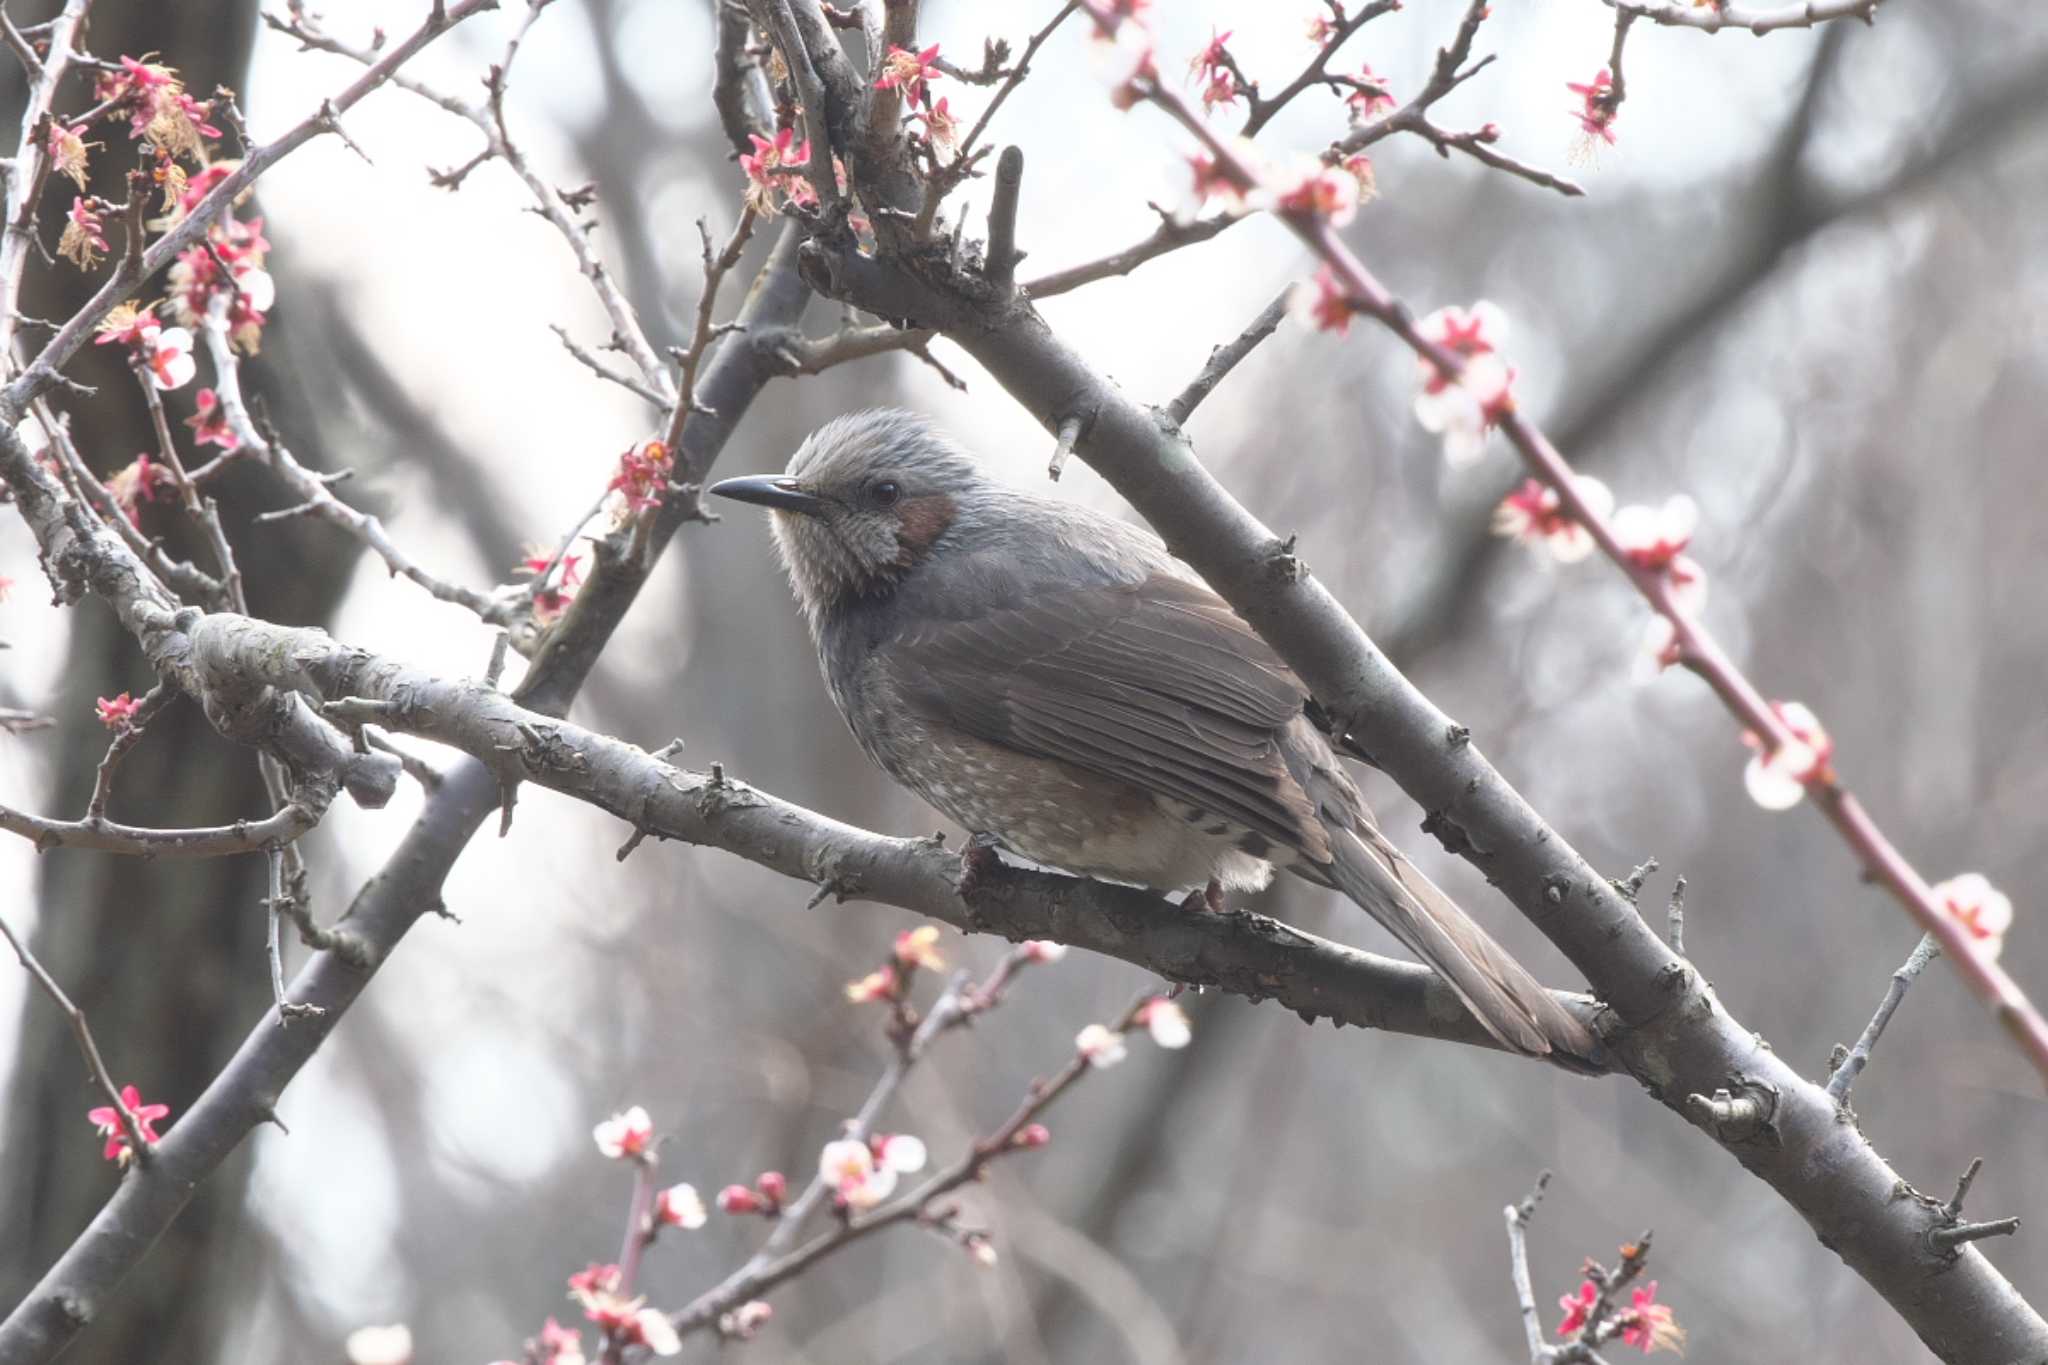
pixel 1377 97
pixel 863 1174
pixel 910 72
pixel 1778 777
pixel 1597 108
pixel 744 1321
pixel 210 423
pixel 1983 911
pixel 978 1246
pixel 1464 410
pixel 1212 66
pixel 1535 515
pixel 136 483
pixel 1032 1135
pixel 557 1345
pixel 880 984
pixel 117 713
pixel 679 1206
pixel 1166 1021
pixel 919 948
pixel 1660 640
pixel 85 235
pixel 1042 950
pixel 68 152
pixel 1128 62
pixel 738 1199
pixel 651 1328
pixel 169 359
pixel 941 125
pixel 641 480
pixel 1359 167
pixel 1103 1047
pixel 1210 177
pixel 1313 188
pixel 386 1345
pixel 1655 537
pixel 1322 304
pixel 1576 1308
pixel 107 1119
pixel 1321 28
pixel 773 1186
pixel 625 1136
pixel 1649 1325
pixel 773 169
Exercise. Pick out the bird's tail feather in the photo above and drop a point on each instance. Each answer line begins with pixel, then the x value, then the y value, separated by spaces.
pixel 1513 1005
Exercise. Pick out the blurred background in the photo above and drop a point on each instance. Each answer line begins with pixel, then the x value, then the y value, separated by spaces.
pixel 1807 287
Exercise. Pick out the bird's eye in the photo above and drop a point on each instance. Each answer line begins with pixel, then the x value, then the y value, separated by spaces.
pixel 884 492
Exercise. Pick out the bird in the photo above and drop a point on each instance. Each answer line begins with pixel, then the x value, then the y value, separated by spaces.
pixel 1056 681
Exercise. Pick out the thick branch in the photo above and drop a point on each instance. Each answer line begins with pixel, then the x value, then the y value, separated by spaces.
pixel 1668 1026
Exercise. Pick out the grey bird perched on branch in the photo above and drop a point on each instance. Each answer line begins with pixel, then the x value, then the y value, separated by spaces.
pixel 1055 679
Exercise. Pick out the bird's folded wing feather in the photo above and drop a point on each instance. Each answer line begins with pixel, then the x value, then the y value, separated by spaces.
pixel 1157 683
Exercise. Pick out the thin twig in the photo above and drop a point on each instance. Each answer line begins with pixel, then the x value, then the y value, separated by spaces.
pixel 138 1143
pixel 1518 1216
pixel 1713 18
pixel 206 841
pixel 1859 1056
pixel 1223 359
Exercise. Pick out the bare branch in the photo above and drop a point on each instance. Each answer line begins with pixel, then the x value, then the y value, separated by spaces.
pixel 1223 359
pixel 1713 18
pixel 211 841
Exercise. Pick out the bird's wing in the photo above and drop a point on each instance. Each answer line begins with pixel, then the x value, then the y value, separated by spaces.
pixel 1157 683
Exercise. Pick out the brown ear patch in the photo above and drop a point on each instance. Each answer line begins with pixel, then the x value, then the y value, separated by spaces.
pixel 920 521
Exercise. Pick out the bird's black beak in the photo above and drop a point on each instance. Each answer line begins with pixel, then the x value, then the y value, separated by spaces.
pixel 778 491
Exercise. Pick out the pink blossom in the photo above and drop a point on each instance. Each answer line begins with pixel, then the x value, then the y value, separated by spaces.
pixel 738 1199
pixel 848 1166
pixel 744 1321
pixel 1654 537
pixel 773 169
pixel 1323 304
pixel 679 1206
pixel 651 1328
pixel 136 483
pixel 1321 28
pixel 210 424
pixel 1042 950
pixel 1576 1307
pixel 169 358
pixel 1778 776
pixel 1310 188
pixel 773 1186
pixel 1166 1021
pixel 592 1281
pixel 641 480
pixel 941 126
pixel 625 1136
pixel 107 1119
pixel 1375 100
pixel 919 948
pixel 1359 167
pixel 899 1152
pixel 1462 412
pixel 1032 1135
pixel 1535 516
pixel 1597 107
pixel 117 713
pixel 67 149
pixel 910 72
pixel 558 1345
pixel 1212 66
pixel 1649 1325
pixel 880 984
pixel 1983 911
pixel 1129 62
pixel 1102 1046
pixel 981 1249
pixel 84 239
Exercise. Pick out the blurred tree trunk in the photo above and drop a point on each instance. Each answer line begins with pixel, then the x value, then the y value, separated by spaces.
pixel 165 957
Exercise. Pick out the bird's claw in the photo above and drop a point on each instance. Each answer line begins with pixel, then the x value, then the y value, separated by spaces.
pixel 978 861
pixel 1207 900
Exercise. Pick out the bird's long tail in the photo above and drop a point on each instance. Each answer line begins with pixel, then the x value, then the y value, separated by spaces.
pixel 1513 1005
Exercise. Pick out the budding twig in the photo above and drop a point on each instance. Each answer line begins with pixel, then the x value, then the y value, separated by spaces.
pixel 137 1143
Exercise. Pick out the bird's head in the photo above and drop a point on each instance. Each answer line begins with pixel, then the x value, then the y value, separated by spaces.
pixel 866 499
